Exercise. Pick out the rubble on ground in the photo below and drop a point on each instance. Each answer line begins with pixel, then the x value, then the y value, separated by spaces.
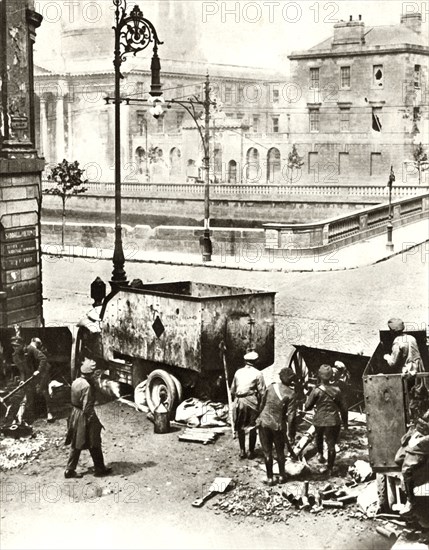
pixel 15 453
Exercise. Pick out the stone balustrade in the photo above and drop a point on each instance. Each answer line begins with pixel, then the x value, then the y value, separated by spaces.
pixel 250 191
pixel 345 229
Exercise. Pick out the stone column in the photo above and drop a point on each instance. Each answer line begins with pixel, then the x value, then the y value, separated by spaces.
pixel 43 127
pixel 125 139
pixel 59 125
pixel 70 130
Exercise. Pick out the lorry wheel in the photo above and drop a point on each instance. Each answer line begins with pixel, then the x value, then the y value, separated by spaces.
pixel 179 389
pixel 158 382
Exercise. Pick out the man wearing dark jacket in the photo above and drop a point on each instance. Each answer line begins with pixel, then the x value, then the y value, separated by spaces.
pixel 331 410
pixel 84 426
pixel 277 422
pixel 37 361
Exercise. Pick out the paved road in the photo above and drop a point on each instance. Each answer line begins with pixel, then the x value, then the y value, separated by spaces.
pixel 341 310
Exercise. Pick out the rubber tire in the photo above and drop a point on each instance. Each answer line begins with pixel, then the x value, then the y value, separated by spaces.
pixel 383 497
pixel 179 389
pixel 156 380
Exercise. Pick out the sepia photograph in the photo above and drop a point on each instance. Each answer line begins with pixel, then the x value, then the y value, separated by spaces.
pixel 214 284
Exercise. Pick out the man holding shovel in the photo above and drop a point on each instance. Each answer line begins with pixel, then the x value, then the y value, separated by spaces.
pixel 277 421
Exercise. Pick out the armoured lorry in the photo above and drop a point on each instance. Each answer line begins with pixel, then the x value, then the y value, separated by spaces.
pixel 181 337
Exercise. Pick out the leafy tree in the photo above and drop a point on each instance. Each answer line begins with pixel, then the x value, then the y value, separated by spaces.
pixel 67 177
pixel 420 160
pixel 295 161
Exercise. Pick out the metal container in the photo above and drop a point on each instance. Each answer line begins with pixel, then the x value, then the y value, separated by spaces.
pixel 183 325
pixel 386 403
pixel 161 419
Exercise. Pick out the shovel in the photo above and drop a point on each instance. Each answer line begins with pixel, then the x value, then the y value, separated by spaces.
pixel 219 485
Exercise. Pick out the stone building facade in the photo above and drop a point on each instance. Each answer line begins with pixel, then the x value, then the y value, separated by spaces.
pixel 75 122
pixel 353 106
pixel 20 170
pixel 363 103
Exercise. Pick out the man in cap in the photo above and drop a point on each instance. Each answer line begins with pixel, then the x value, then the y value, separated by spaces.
pixel 247 390
pixel 405 357
pixel 37 361
pixel 277 421
pixel 84 426
pixel 331 409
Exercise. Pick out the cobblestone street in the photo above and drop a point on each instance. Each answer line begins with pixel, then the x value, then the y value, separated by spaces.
pixel 341 310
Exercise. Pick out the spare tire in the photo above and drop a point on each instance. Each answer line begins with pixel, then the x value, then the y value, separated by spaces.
pixel 161 382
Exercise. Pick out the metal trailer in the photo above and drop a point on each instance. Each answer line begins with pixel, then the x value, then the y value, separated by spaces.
pixel 177 335
pixel 388 415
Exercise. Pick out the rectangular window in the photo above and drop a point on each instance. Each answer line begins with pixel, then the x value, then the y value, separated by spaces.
pixel 314 79
pixel 160 125
pixel 312 161
pixel 377 76
pixel 417 76
pixel 276 95
pixel 345 77
pixel 343 164
pixel 345 120
pixel 179 121
pixel 416 114
pixel 240 93
pixel 139 89
pixel 377 125
pixel 376 168
pixel 275 124
pixel 228 93
pixel 314 120
pixel 255 124
pixel 141 123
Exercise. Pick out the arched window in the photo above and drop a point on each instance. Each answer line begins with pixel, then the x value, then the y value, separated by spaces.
pixel 140 157
pixel 232 171
pixel 273 165
pixel 253 173
pixel 175 164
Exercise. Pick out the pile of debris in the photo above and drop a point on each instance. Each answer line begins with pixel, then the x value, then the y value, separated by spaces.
pixel 15 453
pixel 267 504
pixel 328 497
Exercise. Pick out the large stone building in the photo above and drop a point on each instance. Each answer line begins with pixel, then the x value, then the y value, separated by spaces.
pixel 353 105
pixel 76 123
pixel 363 102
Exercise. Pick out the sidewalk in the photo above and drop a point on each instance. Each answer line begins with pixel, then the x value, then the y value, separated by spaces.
pixel 253 258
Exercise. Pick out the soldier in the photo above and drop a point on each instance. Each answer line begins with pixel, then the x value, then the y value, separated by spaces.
pixel 277 421
pixel 405 357
pixel 331 410
pixel 84 426
pixel 37 361
pixel 247 390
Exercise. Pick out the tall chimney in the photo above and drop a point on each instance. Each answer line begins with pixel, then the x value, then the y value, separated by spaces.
pixel 412 21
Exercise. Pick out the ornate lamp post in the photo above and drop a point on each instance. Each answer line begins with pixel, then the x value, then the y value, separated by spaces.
pixel 389 244
pixel 190 105
pixel 133 34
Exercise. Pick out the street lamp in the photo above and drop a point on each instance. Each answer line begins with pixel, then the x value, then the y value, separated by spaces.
pixel 204 130
pixel 133 34
pixel 389 244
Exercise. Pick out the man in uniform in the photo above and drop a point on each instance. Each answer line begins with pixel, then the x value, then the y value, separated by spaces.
pixel 37 361
pixel 405 357
pixel 277 422
pixel 247 390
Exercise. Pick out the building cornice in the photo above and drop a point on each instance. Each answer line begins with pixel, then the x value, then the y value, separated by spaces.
pixel 382 50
